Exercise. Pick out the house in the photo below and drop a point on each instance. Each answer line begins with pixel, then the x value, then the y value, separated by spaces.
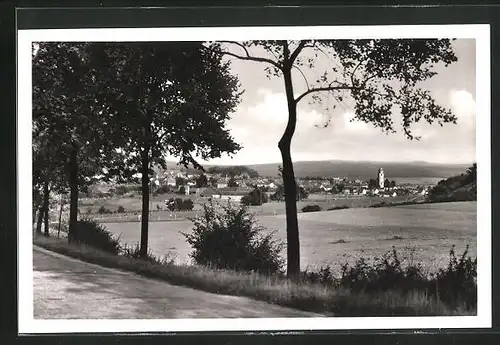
pixel 233 194
pixel 208 192
pixel 325 188
pixel 170 181
pixel 221 185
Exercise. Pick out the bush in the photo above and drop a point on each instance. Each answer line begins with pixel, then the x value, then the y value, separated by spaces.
pixel 135 253
pixel 256 197
pixel 343 207
pixel 188 204
pixel 121 209
pixel 164 189
pixel 457 282
pixel 455 286
pixel 103 210
pixel 179 204
pixel 231 239
pixel 90 232
pixel 311 208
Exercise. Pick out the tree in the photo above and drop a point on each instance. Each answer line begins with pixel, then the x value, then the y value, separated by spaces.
pixel 202 181
pixel 372 183
pixel 471 173
pixel 232 183
pixel 379 75
pixel 256 197
pixel 340 187
pixel 387 184
pixel 393 184
pixel 279 195
pixel 180 181
pixel 68 122
pixel 166 98
pixel 302 194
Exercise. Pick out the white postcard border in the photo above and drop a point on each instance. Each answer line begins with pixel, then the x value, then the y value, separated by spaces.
pixel 28 325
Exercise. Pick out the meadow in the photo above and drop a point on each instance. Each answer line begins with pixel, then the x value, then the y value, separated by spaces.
pixel 133 205
pixel 426 231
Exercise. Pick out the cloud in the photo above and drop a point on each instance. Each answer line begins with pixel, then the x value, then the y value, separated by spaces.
pixel 259 121
pixel 463 105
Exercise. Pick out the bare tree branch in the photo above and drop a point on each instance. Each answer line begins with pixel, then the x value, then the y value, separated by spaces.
pixel 303 75
pixel 297 51
pixel 354 71
pixel 248 56
pixel 325 88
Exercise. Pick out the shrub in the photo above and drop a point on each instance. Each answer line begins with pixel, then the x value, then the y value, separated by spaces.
pixel 164 189
pixel 246 200
pixel 322 276
pixel 187 205
pixel 457 282
pixel 231 239
pixel 103 210
pixel 121 209
pixel 90 232
pixel 179 204
pixel 256 197
pixel 455 285
pixel 135 253
pixel 342 207
pixel 311 208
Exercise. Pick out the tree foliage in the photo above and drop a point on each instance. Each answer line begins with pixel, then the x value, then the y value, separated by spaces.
pixel 202 181
pixel 69 140
pixel 231 239
pixel 234 171
pixel 255 198
pixel 165 98
pixel 381 77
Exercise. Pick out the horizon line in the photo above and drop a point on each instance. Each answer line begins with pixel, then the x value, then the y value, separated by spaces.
pixel 336 160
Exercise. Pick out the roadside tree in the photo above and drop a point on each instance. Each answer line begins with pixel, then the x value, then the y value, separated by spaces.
pixel 166 98
pixel 380 76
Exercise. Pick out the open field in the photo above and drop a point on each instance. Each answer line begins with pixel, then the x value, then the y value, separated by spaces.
pixel 133 206
pixel 337 236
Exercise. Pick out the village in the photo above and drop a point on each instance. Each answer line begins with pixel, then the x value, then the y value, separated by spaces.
pixel 234 187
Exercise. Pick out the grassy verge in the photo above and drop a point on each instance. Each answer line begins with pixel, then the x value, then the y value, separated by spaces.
pixel 275 289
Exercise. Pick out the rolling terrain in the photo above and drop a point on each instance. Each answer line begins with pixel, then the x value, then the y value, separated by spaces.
pixel 357 169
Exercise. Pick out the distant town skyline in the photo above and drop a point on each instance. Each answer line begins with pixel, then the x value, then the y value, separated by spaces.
pixel 260 119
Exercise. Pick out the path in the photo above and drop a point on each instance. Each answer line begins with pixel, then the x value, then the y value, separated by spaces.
pixel 66 288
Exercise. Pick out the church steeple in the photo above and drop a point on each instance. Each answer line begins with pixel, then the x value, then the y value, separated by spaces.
pixel 381 178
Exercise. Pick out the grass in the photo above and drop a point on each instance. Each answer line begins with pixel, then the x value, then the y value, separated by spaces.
pixel 273 289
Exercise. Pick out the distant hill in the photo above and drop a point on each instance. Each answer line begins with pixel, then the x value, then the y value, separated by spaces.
pixel 364 170
pixel 352 169
pixel 461 187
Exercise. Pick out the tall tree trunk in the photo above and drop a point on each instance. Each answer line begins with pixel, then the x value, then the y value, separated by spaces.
pixel 46 208
pixel 145 202
pixel 39 220
pixel 73 185
pixel 60 216
pixel 290 187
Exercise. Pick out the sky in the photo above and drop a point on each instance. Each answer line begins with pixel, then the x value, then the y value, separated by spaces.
pixel 260 119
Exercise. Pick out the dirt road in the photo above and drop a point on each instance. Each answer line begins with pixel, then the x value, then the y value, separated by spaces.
pixel 65 288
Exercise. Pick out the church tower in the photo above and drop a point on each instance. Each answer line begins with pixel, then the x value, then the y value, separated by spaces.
pixel 381 178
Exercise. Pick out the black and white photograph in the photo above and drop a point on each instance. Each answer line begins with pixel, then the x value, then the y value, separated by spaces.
pixel 254 178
